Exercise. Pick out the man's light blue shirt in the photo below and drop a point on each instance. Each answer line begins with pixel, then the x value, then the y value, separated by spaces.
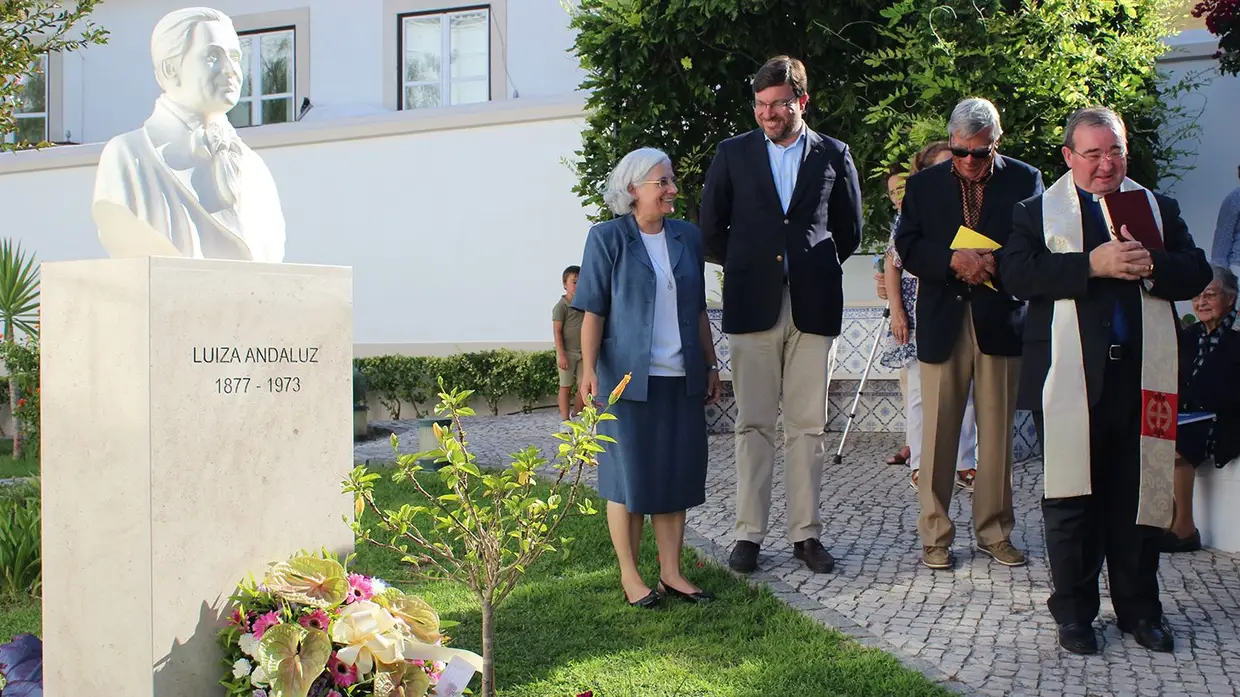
pixel 785 165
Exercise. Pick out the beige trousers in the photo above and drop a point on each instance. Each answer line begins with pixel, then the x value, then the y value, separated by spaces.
pixel 765 365
pixel 945 389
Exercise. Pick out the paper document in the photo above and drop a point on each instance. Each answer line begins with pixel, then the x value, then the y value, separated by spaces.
pixel 972 239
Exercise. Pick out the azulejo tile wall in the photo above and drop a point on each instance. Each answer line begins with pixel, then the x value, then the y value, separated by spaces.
pixel 881 406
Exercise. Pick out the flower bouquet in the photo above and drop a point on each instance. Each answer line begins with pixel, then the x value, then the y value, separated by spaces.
pixel 311 629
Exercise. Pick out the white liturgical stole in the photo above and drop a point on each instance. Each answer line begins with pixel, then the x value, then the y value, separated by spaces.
pixel 1065 404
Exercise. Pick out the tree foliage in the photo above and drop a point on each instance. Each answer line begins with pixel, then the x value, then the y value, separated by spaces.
pixel 675 75
pixel 1038 62
pixel 30 29
pixel 493 524
pixel 1223 20
pixel 883 78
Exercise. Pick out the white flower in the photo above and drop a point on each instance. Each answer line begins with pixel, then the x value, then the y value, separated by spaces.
pixel 259 677
pixel 241 668
pixel 248 645
pixel 377 586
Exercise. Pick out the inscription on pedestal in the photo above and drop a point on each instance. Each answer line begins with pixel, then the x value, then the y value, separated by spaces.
pixel 249 377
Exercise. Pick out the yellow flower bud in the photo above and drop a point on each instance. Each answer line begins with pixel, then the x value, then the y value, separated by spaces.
pixel 359 505
pixel 615 394
pixel 438 431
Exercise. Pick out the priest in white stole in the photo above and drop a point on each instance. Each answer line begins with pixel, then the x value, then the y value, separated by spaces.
pixel 1100 376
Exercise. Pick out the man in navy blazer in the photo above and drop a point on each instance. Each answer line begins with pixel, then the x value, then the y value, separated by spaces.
pixel 968 327
pixel 781 211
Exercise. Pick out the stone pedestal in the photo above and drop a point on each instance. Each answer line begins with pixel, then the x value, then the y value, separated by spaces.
pixel 196 426
pixel 1215 508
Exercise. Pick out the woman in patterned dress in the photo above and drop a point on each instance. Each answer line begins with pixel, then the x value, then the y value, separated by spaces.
pixel 901 350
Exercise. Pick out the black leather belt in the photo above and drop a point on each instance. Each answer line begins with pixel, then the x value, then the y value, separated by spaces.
pixel 1118 352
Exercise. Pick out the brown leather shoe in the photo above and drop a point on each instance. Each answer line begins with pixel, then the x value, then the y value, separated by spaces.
pixel 815 556
pixel 1004 553
pixel 936 557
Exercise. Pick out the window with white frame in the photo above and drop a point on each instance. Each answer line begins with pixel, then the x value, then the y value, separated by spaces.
pixel 31 108
pixel 267 81
pixel 446 58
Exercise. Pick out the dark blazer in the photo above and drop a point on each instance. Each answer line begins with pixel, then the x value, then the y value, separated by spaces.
pixel 617 281
pixel 1215 388
pixel 1031 272
pixel 748 233
pixel 930 217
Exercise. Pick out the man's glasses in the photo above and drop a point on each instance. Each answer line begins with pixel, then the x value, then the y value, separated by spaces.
pixel 781 105
pixel 1097 156
pixel 977 153
pixel 1210 295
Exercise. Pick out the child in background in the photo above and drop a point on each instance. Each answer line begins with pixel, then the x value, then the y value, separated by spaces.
pixel 566 329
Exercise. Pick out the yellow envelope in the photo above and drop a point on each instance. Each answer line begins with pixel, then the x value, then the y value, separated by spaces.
pixel 972 239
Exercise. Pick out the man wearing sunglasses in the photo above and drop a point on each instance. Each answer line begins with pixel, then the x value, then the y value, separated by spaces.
pixel 1100 375
pixel 781 211
pixel 968 328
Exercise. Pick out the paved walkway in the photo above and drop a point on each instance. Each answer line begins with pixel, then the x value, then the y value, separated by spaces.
pixel 982 628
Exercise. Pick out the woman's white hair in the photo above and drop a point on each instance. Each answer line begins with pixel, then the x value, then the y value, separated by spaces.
pixel 631 171
pixel 173 34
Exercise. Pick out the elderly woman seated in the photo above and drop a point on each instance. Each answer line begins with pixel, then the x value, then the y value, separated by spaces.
pixel 1209 382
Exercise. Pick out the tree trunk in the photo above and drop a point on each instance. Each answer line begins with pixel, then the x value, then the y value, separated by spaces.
pixel 17 424
pixel 13 396
pixel 488 650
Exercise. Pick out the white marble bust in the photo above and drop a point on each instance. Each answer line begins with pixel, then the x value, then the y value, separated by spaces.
pixel 184 184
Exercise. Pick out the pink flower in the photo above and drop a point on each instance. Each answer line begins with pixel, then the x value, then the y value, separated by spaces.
pixel 240 621
pixel 265 622
pixel 359 589
pixel 342 675
pixel 333 693
pixel 315 620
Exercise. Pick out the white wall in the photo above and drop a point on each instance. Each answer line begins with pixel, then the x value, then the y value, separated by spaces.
pixel 454 235
pixel 109 89
pixel 1216 154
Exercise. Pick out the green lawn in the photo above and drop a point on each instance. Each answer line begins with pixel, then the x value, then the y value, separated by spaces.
pixel 10 467
pixel 567 629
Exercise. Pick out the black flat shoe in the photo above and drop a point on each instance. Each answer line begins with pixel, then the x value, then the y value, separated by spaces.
pixel 1170 543
pixel 1078 638
pixel 651 600
pixel 698 597
pixel 1152 634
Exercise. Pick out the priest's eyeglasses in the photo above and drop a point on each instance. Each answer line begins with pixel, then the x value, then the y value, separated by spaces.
pixel 1097 156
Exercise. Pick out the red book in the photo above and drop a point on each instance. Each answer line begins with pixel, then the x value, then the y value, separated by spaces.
pixel 1132 208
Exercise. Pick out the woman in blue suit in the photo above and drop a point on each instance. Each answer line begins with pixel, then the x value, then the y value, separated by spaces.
pixel 642 287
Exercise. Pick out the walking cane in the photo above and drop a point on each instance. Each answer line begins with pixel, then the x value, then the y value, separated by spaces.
pixel 852 413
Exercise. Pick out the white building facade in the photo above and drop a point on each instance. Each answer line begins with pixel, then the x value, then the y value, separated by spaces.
pixel 425 143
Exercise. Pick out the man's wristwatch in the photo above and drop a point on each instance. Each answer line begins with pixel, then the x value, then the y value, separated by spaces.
pixel 712 366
